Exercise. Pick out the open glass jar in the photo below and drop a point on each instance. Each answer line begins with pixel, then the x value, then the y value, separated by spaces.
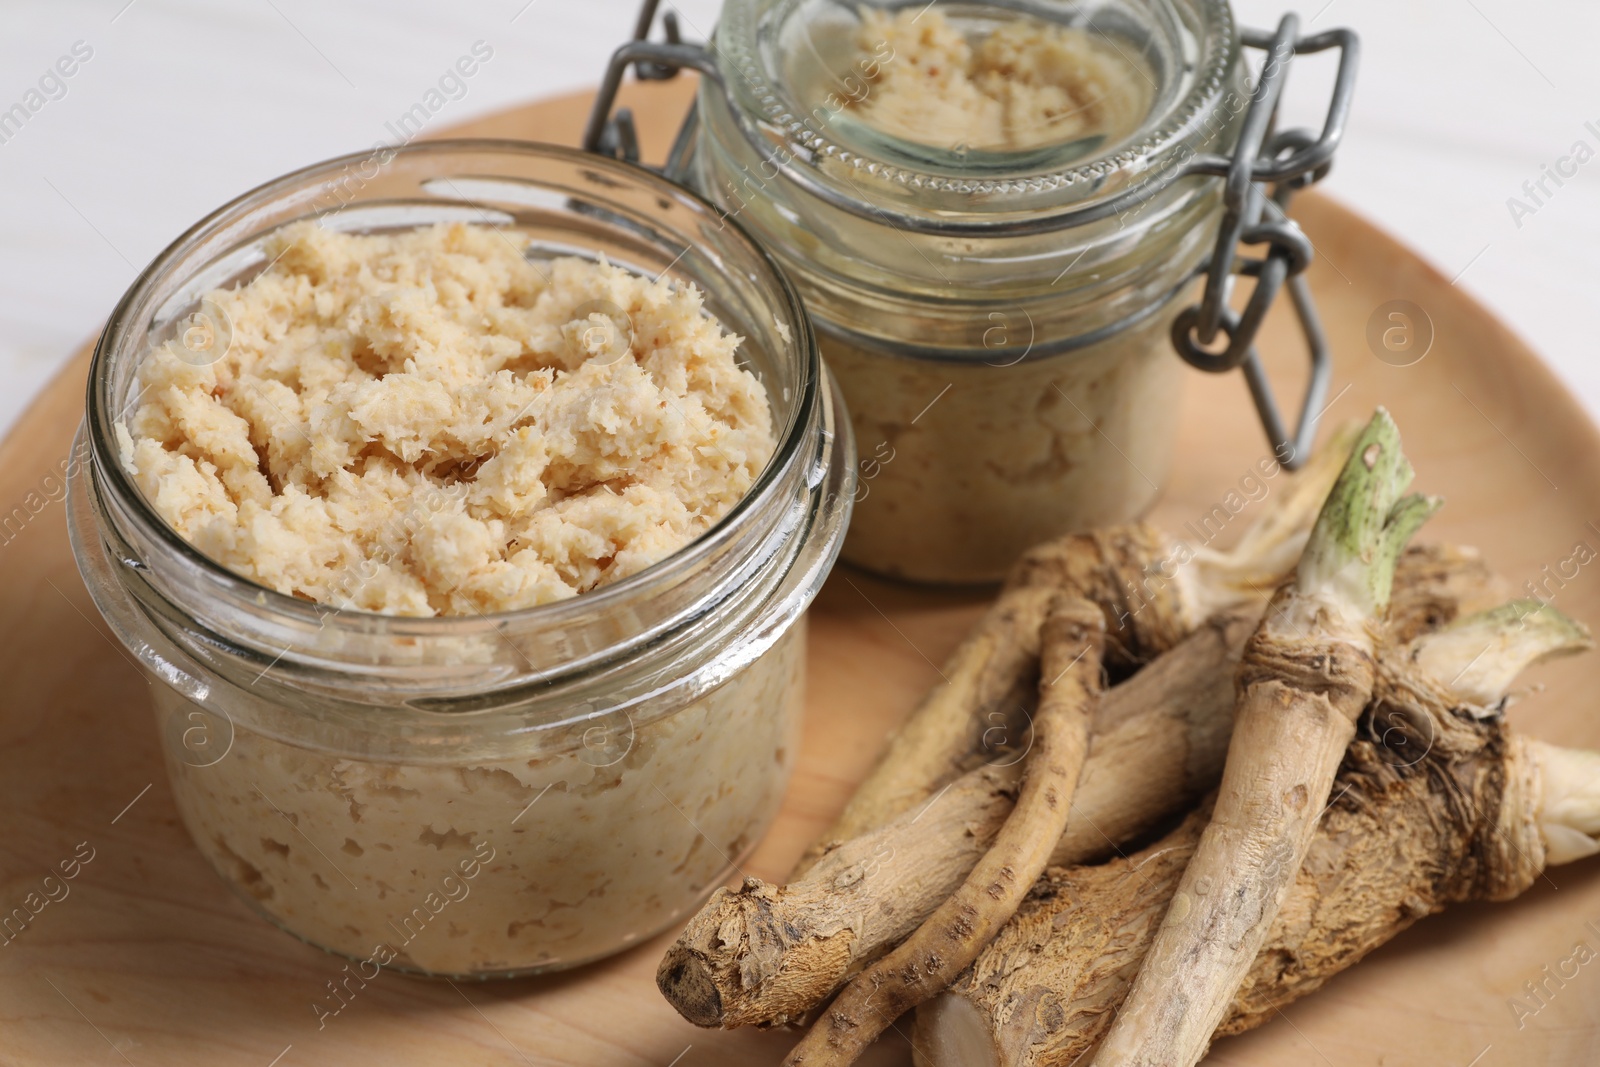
pixel 997 261
pixel 494 794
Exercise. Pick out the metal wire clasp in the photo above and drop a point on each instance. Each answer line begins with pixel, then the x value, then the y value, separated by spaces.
pixel 1287 161
pixel 616 136
pixel 1264 170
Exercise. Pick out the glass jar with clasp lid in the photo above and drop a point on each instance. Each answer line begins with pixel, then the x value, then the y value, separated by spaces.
pixel 1002 217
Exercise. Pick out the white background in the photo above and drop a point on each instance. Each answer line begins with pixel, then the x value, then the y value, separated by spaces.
pixel 187 103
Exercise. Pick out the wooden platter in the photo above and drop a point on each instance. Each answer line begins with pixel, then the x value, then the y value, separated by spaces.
pixel 149 959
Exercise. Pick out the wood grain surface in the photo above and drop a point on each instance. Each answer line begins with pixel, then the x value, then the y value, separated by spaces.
pixel 151 960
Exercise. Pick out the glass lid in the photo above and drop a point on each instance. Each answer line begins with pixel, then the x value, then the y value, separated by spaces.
pixel 996 108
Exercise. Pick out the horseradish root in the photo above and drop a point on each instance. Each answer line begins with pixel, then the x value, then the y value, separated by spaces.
pixel 1071 644
pixel 1153 591
pixel 1435 803
pixel 1305 678
pixel 768 955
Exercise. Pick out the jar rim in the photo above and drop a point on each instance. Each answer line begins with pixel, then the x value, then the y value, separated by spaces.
pixel 696 614
pixel 1038 197
pixel 101 416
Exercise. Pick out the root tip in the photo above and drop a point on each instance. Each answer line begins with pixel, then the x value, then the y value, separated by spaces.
pixel 687 983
